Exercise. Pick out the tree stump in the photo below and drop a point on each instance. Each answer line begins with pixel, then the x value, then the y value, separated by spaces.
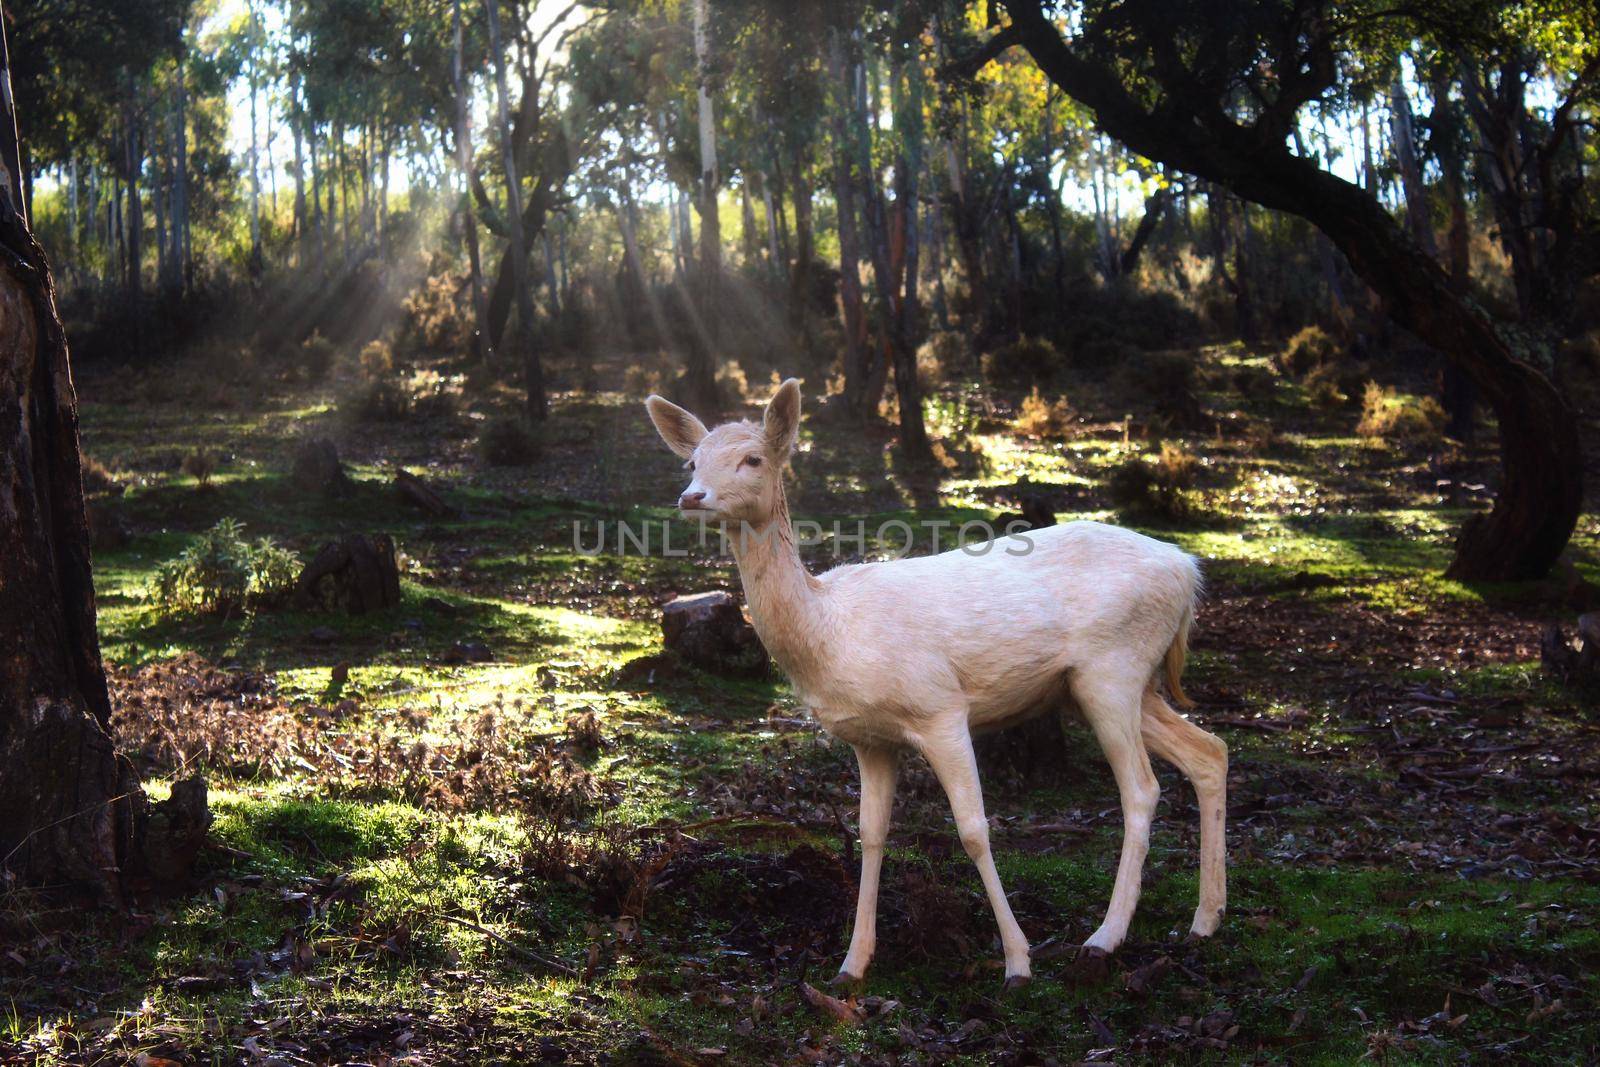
pixel 317 468
pixel 1573 663
pixel 356 574
pixel 709 631
pixel 174 832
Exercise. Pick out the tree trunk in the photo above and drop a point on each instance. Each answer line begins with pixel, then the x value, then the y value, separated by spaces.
pixel 1155 206
pixel 133 219
pixel 1460 398
pixel 850 296
pixel 533 371
pixel 804 252
pixel 776 266
pixel 908 324
pixel 1541 489
pixel 70 804
pixel 158 197
pixel 469 220
pixel 255 169
pixel 1405 154
pixel 967 221
pixel 700 373
pixel 180 204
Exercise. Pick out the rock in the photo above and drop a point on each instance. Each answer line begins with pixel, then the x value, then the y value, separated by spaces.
pixel 709 631
pixel 340 673
pixel 468 652
pixel 322 635
pixel 357 573
pixel 317 468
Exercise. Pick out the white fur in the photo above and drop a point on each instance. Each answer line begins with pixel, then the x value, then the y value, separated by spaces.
pixel 920 653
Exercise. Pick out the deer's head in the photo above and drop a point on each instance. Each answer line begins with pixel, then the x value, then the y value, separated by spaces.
pixel 736 470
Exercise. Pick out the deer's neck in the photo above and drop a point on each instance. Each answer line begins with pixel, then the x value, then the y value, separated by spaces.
pixel 787 604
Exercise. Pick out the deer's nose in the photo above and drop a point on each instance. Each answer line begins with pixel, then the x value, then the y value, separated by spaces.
pixel 691 501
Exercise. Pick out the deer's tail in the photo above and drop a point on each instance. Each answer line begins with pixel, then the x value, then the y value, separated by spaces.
pixel 1178 651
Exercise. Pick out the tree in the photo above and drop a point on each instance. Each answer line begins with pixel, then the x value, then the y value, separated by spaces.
pixel 700 375
pixel 70 803
pixel 533 371
pixel 469 221
pixel 1165 79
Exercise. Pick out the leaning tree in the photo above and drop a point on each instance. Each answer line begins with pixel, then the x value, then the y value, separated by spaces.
pixel 1217 91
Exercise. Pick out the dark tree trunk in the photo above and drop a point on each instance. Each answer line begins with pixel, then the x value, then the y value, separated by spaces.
pixel 520 242
pixel 504 293
pixel 1155 206
pixel 908 391
pixel 1541 485
pixel 851 304
pixel 469 221
pixel 1460 398
pixel 804 254
pixel 69 803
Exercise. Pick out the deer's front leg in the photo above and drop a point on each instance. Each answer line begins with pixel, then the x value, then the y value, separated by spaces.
pixel 879 767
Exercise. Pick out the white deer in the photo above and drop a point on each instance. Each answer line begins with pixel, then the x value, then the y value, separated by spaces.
pixel 923 652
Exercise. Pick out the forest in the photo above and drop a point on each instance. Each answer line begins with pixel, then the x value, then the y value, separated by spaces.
pixel 387 675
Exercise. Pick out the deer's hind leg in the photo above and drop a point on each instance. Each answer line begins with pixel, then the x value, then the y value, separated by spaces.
pixel 1203 759
pixel 1110 702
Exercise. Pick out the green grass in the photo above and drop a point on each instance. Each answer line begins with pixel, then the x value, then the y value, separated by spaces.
pixel 335 903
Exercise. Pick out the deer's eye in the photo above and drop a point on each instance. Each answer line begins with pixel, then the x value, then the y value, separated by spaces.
pixel 754 461
pixel 690 465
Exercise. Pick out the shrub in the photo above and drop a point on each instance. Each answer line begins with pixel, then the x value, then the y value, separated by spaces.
pixel 439 314
pixel 508 441
pixel 1398 416
pixel 1025 361
pixel 1322 387
pixel 1307 351
pixel 377 359
pixel 1048 419
pixel 375 401
pixel 431 396
pixel 223 571
pixel 316 357
pixel 1154 487
pixel 200 465
pixel 1176 466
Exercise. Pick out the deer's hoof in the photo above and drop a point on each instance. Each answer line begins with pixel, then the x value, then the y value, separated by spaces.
pixel 1016 982
pixel 846 980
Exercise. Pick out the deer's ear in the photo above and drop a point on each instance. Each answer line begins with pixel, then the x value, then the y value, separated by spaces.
pixel 781 424
pixel 679 429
